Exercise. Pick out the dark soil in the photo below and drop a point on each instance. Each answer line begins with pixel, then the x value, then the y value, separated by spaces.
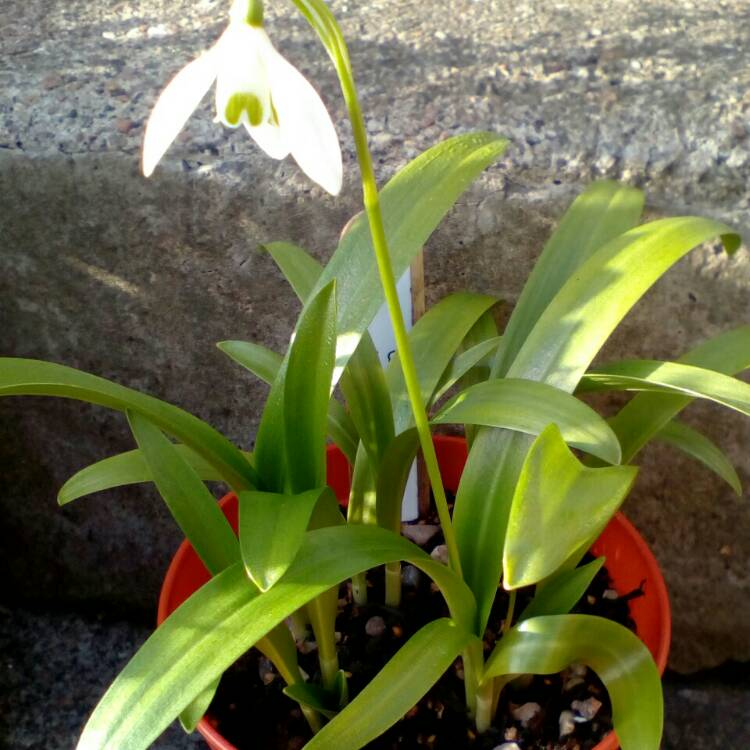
pixel 254 716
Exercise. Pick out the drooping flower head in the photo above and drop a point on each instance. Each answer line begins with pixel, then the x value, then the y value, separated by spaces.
pixel 257 88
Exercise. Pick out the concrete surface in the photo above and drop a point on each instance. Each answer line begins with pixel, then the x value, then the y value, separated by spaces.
pixel 136 280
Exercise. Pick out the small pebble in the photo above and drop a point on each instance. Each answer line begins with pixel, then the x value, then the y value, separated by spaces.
pixel 567 723
pixel 587 709
pixel 419 533
pixel 574 676
pixel 440 553
pixel 511 733
pixel 610 594
pixel 507 746
pixel 375 626
pixel 410 576
pixel 526 713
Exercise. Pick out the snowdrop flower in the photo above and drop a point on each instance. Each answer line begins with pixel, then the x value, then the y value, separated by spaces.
pixel 255 87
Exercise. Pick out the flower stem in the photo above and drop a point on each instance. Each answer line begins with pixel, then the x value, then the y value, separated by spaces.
pixel 325 24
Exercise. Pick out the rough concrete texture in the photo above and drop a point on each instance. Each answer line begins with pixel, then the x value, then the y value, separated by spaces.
pixel 86 651
pixel 136 280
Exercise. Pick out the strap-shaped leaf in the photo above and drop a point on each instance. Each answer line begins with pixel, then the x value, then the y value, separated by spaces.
pixel 642 417
pixel 434 339
pixel 258 359
pixel 362 506
pixel 128 468
pixel 562 591
pixel 558 504
pixel 393 476
pixel 463 363
pixel 594 300
pixel 29 377
pixel 670 377
pixel 545 645
pixel 307 392
pixel 272 528
pixel 528 406
pixel 412 671
pixel 300 269
pixel 189 501
pixel 224 618
pixel 325 702
pixel 364 387
pixel 697 445
pixel 602 212
pixel 265 363
pixel 413 203
pixel 190 717
pixel 558 350
pixel 272 454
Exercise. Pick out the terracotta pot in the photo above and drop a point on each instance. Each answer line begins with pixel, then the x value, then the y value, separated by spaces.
pixel 629 562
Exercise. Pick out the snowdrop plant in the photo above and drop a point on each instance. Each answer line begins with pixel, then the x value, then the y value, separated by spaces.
pixel 516 393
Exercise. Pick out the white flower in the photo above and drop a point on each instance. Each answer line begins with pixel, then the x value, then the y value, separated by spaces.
pixel 255 87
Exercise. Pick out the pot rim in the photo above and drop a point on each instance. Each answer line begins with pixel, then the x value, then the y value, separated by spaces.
pixel 456 446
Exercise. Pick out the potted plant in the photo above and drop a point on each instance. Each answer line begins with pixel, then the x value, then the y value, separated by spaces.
pixel 527 508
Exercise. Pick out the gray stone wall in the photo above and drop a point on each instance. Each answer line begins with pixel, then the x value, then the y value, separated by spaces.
pixel 136 280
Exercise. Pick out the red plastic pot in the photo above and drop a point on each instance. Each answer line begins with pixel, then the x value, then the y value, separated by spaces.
pixel 629 562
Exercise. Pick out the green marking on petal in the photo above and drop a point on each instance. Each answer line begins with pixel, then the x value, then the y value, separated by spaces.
pixel 239 103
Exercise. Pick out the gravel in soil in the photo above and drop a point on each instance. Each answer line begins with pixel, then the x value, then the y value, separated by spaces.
pixel 567 711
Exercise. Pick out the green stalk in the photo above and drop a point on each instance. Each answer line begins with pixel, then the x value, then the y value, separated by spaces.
pixel 321 19
pixel 393 584
pixel 359 589
pixel 322 612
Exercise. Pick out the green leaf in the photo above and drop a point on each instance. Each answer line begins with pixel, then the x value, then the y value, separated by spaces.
pixel 414 669
pixel 342 430
pixel 603 211
pixel 545 645
pixel 224 618
pixel 670 377
pixel 558 504
pixel 128 468
pixel 463 363
pixel 642 417
pixel 272 529
pixel 393 476
pixel 316 697
pixel 528 406
pixel 265 363
pixel 190 503
pixel 312 346
pixel 558 350
pixel 698 446
pixel 594 300
pixel 259 359
pixel 300 269
pixel 364 388
pixel 413 203
pixel 307 392
pixel 434 340
pixel 362 506
pixel 562 591
pixel 190 717
pixel 28 377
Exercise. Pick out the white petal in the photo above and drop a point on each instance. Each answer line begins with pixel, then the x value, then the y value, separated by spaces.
pixel 242 70
pixel 305 123
pixel 175 105
pixel 270 138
